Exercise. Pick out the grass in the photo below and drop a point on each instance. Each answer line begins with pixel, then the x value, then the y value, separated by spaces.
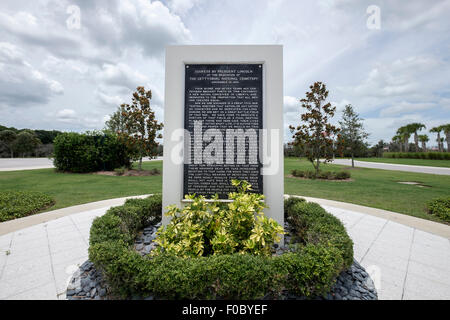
pixel 372 187
pixel 72 189
pixel 412 162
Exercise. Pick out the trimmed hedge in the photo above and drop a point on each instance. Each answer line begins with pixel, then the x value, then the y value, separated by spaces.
pixel 89 152
pixel 18 204
pixel 325 175
pixel 418 155
pixel 309 270
pixel 440 208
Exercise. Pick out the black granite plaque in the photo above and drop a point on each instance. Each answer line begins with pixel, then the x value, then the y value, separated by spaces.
pixel 223 114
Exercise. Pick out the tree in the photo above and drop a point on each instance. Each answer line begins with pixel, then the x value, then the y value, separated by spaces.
pixel 405 132
pixel 438 131
pixel 397 140
pixel 141 126
pixel 116 122
pixel 414 128
pixel 378 149
pixel 352 131
pixel 7 138
pixel 446 129
pixel 315 135
pixel 423 138
pixel 26 142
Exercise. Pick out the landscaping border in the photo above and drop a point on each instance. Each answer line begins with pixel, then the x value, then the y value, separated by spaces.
pixel 308 269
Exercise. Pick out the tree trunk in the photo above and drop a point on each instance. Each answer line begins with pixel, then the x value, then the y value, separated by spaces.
pixel 439 142
pixel 406 145
pixel 12 153
pixel 140 164
pixel 317 168
pixel 400 146
pixel 447 137
pixel 353 161
pixel 416 141
pixel 424 147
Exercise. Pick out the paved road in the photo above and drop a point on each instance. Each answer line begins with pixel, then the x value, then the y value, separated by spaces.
pixel 25 164
pixel 395 167
pixel 404 262
pixel 16 164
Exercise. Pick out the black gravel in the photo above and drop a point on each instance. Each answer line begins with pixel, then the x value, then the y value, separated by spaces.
pixel 87 283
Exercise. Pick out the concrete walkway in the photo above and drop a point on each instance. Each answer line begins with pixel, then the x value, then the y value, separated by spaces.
pixel 395 167
pixel 405 263
pixel 16 164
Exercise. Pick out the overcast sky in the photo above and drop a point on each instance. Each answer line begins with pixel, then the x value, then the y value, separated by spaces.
pixel 58 74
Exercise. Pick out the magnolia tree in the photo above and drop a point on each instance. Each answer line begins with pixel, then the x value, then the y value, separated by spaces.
pixel 137 125
pixel 314 135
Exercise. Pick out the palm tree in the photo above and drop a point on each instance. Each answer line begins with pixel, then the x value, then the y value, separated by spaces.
pixel 446 128
pixel 405 132
pixel 414 128
pixel 438 131
pixel 423 138
pixel 397 139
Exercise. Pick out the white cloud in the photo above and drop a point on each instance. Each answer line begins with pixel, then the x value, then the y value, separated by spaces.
pixel 22 84
pixel 183 6
pixel 121 75
pixel 388 75
pixel 399 78
pixel 405 107
pixel 291 104
pixel 66 115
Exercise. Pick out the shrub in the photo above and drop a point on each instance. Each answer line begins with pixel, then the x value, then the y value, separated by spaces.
pixel 120 171
pixel 325 175
pixel 418 155
pixel 17 204
pixel 309 270
pixel 440 208
pixel 89 152
pixel 203 228
pixel 312 224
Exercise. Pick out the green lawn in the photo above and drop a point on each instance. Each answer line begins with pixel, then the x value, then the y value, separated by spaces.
pixel 71 189
pixel 412 162
pixel 372 187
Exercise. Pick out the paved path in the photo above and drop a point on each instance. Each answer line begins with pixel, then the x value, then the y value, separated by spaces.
pixel 16 164
pixel 395 167
pixel 405 263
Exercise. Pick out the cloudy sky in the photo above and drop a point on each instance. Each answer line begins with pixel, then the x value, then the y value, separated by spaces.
pixel 61 73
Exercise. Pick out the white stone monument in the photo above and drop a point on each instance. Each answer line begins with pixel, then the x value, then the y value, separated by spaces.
pixel 226 84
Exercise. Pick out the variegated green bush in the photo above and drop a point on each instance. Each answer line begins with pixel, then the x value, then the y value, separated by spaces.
pixel 209 228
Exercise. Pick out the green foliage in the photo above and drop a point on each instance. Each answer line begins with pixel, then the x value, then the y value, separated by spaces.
pixel 203 228
pixel 89 152
pixel 17 204
pixel 25 142
pixel 137 125
pixel 7 139
pixel 440 207
pixel 312 224
pixel 120 171
pixel 314 135
pixel 309 270
pixel 325 175
pixel 418 155
pixel 352 131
